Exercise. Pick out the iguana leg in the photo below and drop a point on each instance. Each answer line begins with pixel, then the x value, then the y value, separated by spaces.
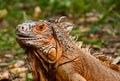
pixel 69 74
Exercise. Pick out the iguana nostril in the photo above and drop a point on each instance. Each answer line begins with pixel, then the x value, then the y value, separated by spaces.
pixel 22 28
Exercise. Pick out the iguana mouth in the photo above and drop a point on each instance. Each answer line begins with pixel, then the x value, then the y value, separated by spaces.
pixel 26 37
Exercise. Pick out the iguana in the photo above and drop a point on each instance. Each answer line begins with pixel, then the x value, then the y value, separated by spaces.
pixel 54 56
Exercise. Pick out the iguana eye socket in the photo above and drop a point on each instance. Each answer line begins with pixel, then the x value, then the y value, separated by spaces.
pixel 40 27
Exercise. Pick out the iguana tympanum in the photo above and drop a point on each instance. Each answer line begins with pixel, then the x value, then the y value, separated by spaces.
pixel 54 56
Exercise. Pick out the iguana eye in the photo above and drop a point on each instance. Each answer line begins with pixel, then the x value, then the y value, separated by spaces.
pixel 40 26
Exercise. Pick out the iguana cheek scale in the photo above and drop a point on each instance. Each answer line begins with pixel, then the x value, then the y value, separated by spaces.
pixel 52 54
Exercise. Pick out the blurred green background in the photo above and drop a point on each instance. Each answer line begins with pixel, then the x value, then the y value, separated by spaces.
pixel 91 19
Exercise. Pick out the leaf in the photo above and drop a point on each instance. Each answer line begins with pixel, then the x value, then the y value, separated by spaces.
pixel 24 16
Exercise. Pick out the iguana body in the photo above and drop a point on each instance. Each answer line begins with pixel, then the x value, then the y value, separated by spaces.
pixel 53 56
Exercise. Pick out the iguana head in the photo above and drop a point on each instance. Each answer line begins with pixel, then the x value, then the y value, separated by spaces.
pixel 43 35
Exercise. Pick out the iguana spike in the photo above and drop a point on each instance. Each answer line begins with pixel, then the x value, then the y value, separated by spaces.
pixel 59 19
pixel 79 44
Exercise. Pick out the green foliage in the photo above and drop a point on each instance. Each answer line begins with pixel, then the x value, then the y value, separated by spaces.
pixel 28 77
pixel 24 16
pixel 96 26
pixel 8 42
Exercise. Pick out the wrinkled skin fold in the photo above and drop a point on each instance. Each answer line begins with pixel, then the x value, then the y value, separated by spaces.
pixel 54 56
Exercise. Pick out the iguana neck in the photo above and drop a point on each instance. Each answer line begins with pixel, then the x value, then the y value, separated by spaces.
pixel 63 39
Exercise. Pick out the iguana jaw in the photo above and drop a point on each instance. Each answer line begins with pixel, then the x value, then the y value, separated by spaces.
pixel 26 37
